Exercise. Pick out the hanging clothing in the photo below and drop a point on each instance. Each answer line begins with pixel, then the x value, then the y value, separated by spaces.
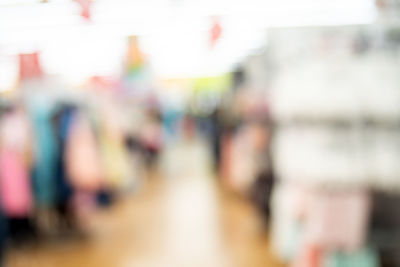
pixel 288 202
pixel 115 160
pixel 16 199
pixel 62 121
pixel 82 155
pixel 244 165
pixel 261 191
pixel 44 172
pixel 117 168
pixel 15 183
pixel 337 219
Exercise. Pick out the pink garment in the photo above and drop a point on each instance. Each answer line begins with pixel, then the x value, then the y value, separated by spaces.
pixel 337 219
pixel 15 132
pixel 82 156
pixel 16 196
pixel 15 187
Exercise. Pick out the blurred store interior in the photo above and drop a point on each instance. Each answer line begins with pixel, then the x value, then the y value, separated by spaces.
pixel 168 133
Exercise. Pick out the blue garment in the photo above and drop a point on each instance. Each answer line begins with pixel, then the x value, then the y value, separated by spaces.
pixel 170 119
pixel 44 172
pixel 61 124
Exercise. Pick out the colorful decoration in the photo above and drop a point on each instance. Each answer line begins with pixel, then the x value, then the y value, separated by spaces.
pixel 215 32
pixel 29 66
pixel 135 58
pixel 85 8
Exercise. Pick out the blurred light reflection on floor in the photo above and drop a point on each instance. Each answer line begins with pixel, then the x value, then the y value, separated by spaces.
pixel 182 217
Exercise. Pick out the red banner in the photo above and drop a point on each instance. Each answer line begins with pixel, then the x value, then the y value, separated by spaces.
pixel 29 66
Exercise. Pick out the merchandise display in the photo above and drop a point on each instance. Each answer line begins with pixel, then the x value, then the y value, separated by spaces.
pixel 200 133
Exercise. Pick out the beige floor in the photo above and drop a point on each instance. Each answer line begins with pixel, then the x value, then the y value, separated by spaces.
pixel 181 217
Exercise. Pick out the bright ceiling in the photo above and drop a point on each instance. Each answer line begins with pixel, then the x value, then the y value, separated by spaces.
pixel 174 33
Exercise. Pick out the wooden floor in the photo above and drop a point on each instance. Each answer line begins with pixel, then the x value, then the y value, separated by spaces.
pixel 181 217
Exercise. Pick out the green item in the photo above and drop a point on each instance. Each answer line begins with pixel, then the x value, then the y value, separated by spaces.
pixel 366 257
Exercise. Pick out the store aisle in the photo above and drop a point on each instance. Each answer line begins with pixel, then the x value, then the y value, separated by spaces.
pixel 182 217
